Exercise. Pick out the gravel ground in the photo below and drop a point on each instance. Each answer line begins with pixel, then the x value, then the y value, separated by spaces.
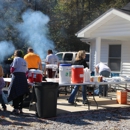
pixel 105 119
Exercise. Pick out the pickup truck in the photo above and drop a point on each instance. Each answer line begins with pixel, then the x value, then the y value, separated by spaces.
pixel 69 57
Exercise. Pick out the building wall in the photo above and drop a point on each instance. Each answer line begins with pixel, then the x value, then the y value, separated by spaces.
pixel 125 64
pixel 125 55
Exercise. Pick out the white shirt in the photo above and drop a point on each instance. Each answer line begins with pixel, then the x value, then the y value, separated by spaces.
pixel 19 64
pixel 52 59
pixel 102 67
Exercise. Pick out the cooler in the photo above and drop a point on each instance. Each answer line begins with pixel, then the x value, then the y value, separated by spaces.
pixel 122 97
pixel 77 73
pixel 64 73
pixel 35 76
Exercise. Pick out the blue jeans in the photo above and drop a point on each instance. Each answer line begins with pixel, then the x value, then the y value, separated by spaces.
pixel 74 92
pixel 104 88
pixel 2 102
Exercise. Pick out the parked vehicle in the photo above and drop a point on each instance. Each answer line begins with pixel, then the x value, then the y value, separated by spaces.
pixel 69 57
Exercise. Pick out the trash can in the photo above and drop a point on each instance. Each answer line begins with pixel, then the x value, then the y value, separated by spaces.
pixel 46 99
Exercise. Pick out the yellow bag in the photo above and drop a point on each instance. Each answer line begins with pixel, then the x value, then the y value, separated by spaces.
pixel 1 71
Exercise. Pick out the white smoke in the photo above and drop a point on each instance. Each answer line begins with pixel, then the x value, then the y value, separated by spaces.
pixel 34 30
pixel 6 48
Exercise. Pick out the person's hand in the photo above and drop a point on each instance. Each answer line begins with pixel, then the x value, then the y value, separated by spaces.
pixel 12 69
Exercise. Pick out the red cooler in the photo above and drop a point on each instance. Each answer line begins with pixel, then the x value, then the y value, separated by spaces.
pixel 35 76
pixel 77 74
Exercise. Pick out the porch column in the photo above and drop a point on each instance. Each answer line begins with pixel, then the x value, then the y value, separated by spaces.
pixel 97 50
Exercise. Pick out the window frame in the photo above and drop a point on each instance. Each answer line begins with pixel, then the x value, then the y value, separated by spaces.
pixel 115 58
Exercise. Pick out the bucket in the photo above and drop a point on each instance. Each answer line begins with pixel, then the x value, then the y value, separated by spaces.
pixel 64 73
pixel 122 97
pixel 51 70
pixel 35 76
pixel 77 73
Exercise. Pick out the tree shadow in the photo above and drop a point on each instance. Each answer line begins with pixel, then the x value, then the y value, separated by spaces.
pixel 26 119
pixel 76 118
pixel 86 117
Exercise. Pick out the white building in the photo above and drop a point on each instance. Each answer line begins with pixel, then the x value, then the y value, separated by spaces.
pixel 109 39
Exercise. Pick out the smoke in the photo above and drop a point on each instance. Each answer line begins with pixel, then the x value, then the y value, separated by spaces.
pixel 9 14
pixel 6 48
pixel 34 30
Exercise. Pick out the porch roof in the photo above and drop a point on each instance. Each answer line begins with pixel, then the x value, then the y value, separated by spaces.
pixel 114 24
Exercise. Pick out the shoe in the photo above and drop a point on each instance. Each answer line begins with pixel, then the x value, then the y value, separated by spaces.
pixel 85 102
pixel 20 111
pixel 4 109
pixel 100 95
pixel 15 112
pixel 71 103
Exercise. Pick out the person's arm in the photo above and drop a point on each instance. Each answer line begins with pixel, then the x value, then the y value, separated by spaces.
pixel 12 69
pixel 13 65
pixel 40 63
pixel 85 64
pixel 40 66
pixel 97 69
pixel 47 59
pixel 2 83
pixel 1 71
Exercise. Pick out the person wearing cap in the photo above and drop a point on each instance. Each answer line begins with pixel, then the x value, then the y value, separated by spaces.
pixel 80 60
pixel 33 60
pixel 104 71
pixel 19 85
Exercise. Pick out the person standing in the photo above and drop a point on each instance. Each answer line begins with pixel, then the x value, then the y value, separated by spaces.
pixel 33 60
pixel 18 86
pixel 80 60
pixel 2 84
pixel 104 71
pixel 52 58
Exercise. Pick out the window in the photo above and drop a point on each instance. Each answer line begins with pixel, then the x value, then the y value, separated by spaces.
pixel 68 56
pixel 114 59
pixel 60 56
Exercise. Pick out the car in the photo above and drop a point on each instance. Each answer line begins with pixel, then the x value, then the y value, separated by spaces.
pixel 69 57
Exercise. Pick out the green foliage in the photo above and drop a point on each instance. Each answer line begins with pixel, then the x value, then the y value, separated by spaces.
pixel 67 17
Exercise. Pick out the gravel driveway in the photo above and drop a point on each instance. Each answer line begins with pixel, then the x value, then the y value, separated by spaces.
pixel 103 119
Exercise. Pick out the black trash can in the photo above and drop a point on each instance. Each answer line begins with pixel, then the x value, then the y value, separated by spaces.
pixel 46 99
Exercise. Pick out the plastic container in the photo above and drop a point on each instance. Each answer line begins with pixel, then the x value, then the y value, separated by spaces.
pixel 51 70
pixel 86 75
pixel 46 99
pixel 122 97
pixel 77 73
pixel 35 76
pixel 64 73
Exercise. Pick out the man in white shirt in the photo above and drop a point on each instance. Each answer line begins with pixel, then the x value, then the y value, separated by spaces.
pixel 52 58
pixel 104 71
